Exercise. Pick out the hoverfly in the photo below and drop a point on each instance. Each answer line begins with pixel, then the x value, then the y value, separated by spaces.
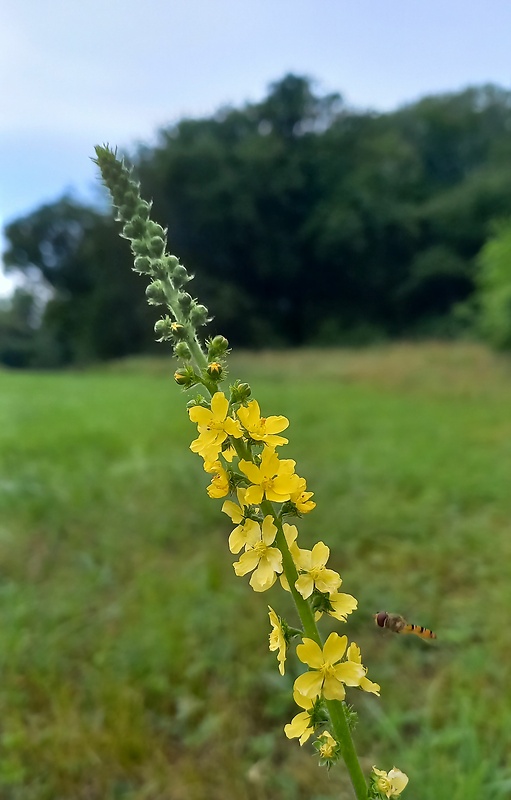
pixel 398 624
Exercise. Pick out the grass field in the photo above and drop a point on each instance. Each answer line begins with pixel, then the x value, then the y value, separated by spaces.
pixel 134 664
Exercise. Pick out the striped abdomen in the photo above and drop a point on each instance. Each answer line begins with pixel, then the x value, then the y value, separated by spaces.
pixel 418 630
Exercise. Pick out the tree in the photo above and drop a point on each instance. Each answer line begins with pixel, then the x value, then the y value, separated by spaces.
pixel 95 308
pixel 494 288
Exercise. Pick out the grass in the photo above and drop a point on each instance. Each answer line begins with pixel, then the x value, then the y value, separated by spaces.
pixel 134 664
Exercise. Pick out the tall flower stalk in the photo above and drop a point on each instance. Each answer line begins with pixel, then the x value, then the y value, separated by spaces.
pixel 240 449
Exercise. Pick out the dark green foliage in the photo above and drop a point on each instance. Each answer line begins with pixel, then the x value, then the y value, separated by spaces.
pixel 18 320
pixel 97 308
pixel 494 280
pixel 304 222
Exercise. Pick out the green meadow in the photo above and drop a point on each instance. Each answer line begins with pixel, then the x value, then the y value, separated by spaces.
pixel 134 664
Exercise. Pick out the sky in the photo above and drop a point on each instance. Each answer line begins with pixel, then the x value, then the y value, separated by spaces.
pixel 74 73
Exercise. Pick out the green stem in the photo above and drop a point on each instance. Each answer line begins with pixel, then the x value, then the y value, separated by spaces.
pixel 348 752
pixel 335 707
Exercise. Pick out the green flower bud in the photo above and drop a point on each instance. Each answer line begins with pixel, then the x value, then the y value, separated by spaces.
pixel 143 208
pixel 155 229
pixel 156 247
pixel 198 400
pixel 178 331
pixel 185 301
pixel 143 265
pixel 215 370
pixel 180 276
pixel 217 347
pixel 163 329
pixel 159 268
pixel 186 377
pixel 130 201
pixel 140 247
pixel 181 350
pixel 155 293
pixel 240 392
pixel 199 315
pixel 135 229
pixel 172 262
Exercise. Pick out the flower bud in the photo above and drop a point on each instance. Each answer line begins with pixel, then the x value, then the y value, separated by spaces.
pixel 129 205
pixel 159 268
pixel 198 315
pixel 134 229
pixel 217 347
pixel 178 331
pixel 186 377
pixel 198 400
pixel 163 329
pixel 185 301
pixel 155 293
pixel 180 276
pixel 143 265
pixel 215 370
pixel 140 247
pixel 155 229
pixel 143 209
pixel 156 247
pixel 240 392
pixel 181 350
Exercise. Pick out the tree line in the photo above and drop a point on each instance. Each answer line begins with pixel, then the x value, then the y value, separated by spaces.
pixel 305 222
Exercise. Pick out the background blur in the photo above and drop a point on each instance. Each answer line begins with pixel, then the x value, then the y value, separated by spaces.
pixel 338 178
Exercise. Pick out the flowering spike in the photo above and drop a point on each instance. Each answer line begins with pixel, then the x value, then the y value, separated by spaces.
pixel 238 447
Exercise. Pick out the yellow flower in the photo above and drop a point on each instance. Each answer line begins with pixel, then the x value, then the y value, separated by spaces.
pixel 354 655
pixel 219 485
pixel 327 675
pixel 328 745
pixel 214 427
pixel 311 563
pixel 262 429
pixel 277 639
pixel 301 498
pixel 266 561
pixel 247 531
pixel 391 783
pixel 273 479
pixel 338 605
pixel 301 725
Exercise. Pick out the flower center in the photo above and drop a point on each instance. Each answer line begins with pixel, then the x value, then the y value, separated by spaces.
pixel 260 548
pixel 315 573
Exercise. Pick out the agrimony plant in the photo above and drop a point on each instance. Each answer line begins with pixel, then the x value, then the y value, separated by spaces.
pixel 241 452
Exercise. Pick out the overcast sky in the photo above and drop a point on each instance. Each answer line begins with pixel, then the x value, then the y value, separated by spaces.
pixel 77 72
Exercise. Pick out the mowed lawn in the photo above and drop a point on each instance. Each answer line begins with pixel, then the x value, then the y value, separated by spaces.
pixel 135 664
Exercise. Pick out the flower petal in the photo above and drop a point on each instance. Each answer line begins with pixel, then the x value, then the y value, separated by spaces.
pixel 320 554
pixel 309 652
pixel 233 511
pixel 219 406
pixel 263 577
pixel 333 689
pixel 349 673
pixel 309 683
pixel 334 648
pixel 298 726
pixel 304 585
pixel 202 416
pixel 269 530
pixel 398 779
pixel 254 495
pixel 247 562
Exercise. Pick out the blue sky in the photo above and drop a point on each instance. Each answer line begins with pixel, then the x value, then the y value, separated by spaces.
pixel 77 72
